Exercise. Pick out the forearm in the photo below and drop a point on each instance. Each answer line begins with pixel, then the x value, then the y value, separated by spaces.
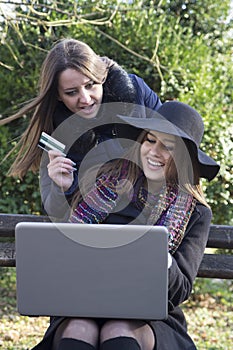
pixel 54 200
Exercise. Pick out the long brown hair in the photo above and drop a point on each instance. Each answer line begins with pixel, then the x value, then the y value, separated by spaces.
pixel 182 171
pixel 67 53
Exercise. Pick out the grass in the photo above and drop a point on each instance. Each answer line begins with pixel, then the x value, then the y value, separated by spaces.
pixel 209 314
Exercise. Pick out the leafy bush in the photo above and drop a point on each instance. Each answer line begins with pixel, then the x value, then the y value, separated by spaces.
pixel 181 49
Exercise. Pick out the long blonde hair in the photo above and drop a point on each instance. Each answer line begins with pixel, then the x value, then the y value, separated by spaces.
pixel 67 53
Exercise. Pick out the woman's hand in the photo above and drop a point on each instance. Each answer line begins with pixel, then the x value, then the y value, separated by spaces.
pixel 60 170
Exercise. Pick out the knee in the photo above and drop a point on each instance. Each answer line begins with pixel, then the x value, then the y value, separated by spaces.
pixel 81 329
pixel 115 328
pixel 138 330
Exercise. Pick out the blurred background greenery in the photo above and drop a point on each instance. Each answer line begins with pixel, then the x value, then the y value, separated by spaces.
pixel 182 49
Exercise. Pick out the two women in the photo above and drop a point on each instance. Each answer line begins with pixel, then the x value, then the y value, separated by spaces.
pixel 156 182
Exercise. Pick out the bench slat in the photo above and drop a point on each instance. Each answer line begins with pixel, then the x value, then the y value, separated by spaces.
pixel 7 254
pixel 9 221
pixel 220 236
pixel 7 262
pixel 216 266
pixel 212 265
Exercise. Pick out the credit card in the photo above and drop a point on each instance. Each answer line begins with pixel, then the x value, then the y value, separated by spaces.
pixel 47 143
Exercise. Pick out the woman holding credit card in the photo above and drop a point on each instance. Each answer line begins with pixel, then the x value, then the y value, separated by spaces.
pixel 157 182
pixel 79 97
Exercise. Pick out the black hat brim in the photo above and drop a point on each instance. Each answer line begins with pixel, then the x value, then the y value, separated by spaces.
pixel 208 167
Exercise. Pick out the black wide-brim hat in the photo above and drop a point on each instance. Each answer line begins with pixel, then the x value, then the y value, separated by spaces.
pixel 179 119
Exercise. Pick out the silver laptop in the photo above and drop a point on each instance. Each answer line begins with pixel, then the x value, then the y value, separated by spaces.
pixel 82 270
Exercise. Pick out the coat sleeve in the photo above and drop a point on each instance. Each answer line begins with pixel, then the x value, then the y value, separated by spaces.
pixel 187 258
pixel 54 201
pixel 145 95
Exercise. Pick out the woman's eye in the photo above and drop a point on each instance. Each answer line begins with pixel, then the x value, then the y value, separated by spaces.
pixel 150 140
pixel 89 85
pixel 168 148
pixel 71 93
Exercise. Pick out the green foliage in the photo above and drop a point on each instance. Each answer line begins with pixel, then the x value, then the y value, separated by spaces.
pixel 182 49
pixel 220 289
pixel 18 197
pixel 211 94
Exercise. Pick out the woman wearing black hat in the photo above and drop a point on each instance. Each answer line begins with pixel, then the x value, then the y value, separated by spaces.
pixel 156 183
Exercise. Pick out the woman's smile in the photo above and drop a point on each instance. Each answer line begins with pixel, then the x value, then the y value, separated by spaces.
pixel 156 151
pixel 154 165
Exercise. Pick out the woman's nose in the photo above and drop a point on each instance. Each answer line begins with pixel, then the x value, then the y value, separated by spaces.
pixel 84 96
pixel 155 149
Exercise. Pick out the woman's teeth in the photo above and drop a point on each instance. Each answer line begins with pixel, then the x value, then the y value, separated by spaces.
pixel 87 107
pixel 151 162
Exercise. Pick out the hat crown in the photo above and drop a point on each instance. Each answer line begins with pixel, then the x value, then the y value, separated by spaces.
pixel 185 118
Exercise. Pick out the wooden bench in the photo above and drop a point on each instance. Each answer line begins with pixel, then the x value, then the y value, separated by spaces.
pixel 217 265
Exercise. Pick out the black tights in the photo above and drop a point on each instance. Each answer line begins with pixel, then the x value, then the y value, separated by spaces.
pixel 74 344
pixel 119 343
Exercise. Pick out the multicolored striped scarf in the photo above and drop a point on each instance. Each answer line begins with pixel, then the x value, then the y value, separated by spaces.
pixel 170 207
